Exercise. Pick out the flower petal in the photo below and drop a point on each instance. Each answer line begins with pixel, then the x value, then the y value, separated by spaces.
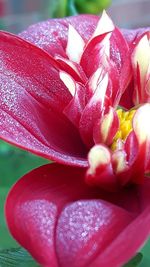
pixel 72 68
pixel 106 128
pixel 110 45
pixel 85 228
pixel 53 214
pixel 100 172
pixel 141 68
pixel 74 49
pixel 126 100
pixel 76 106
pixel 141 124
pixel 141 128
pixel 131 35
pixel 36 201
pixel 47 34
pixel 98 47
pixel 32 98
pixel 126 244
pixel 95 108
pixel 95 53
pixel 52 35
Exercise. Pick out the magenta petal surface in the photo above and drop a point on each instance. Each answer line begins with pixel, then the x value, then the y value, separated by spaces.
pixel 34 204
pixel 53 211
pixel 85 229
pixel 131 35
pixel 32 98
pixel 51 35
pixel 124 246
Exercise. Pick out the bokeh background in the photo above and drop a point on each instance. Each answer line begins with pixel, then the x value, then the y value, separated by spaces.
pixel 15 16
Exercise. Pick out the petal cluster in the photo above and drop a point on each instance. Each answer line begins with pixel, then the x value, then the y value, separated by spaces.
pixel 63 85
pixel 63 222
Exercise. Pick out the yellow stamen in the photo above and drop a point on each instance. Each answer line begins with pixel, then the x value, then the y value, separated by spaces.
pixel 125 126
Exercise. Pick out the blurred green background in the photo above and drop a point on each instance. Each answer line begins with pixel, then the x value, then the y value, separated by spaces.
pixel 13 164
pixel 17 15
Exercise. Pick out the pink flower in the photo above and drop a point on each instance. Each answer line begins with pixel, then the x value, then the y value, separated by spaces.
pixel 67 101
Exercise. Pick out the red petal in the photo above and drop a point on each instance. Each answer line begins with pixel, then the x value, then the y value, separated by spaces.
pixel 92 56
pixel 54 215
pixel 27 65
pixel 95 108
pixel 72 68
pixel 36 201
pixel 52 35
pixel 32 98
pixel 131 148
pixel 140 63
pixel 126 99
pixel 76 106
pixel 85 229
pixel 141 128
pixel 106 128
pixel 100 171
pixel 131 35
pixel 126 244
pixel 118 49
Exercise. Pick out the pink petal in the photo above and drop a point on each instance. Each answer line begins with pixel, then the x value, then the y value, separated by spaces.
pixel 131 148
pixel 140 58
pixel 62 222
pixel 36 201
pixel 95 108
pixel 113 45
pixel 32 98
pixel 85 228
pixel 76 106
pixel 100 171
pixel 129 241
pixel 92 56
pixel 72 68
pixel 131 35
pixel 141 127
pixel 52 35
pixel 106 128
pixel 126 244
pixel 27 65
pixel 118 49
pixel 126 100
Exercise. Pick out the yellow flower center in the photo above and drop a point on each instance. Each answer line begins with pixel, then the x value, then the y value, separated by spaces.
pixel 125 127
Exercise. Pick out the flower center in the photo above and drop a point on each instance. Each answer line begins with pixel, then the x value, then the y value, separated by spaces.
pixel 125 127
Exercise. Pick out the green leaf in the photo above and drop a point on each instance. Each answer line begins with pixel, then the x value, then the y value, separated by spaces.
pixel 19 257
pixel 135 261
pixel 16 257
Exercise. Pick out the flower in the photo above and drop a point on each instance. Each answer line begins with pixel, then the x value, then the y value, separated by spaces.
pixel 63 222
pixel 76 91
